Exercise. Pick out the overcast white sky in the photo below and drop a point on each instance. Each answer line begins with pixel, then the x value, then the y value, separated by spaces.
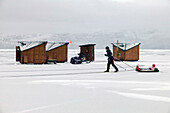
pixel 76 16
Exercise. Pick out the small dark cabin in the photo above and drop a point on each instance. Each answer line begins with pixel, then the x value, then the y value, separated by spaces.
pixel 88 51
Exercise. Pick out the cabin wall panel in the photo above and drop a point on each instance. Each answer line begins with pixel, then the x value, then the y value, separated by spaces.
pixel 129 55
pixel 59 54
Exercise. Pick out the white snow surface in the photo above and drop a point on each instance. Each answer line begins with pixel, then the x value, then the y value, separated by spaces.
pixel 85 88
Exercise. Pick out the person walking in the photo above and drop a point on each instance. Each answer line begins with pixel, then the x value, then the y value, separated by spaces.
pixel 110 60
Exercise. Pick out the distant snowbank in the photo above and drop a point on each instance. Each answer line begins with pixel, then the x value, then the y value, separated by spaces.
pixel 5 50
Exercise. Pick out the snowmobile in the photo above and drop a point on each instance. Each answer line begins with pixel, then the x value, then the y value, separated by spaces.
pixel 152 69
pixel 78 60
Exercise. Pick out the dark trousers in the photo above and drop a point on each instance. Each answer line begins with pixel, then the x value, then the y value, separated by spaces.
pixel 111 62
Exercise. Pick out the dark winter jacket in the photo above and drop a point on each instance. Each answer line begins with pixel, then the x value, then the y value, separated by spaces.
pixel 109 55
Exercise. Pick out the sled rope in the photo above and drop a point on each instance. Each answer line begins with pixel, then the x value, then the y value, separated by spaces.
pixel 125 63
pixel 120 66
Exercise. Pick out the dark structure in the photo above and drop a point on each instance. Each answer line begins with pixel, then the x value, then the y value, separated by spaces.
pixel 57 51
pixel 88 51
pixel 31 52
pixel 18 53
pixel 126 51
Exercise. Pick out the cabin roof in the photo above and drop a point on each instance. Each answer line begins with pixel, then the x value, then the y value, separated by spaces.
pixel 53 45
pixel 26 45
pixel 83 45
pixel 126 46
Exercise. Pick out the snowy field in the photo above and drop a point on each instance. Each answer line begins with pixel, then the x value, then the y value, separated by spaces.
pixel 85 88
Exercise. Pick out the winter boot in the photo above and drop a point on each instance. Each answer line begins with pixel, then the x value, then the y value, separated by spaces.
pixel 106 71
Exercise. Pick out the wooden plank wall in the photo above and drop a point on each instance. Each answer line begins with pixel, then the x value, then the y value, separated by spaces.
pixel 59 54
pixel 121 52
pixel 18 53
pixel 85 51
pixel 35 55
pixel 132 54
pixel 91 52
pixel 40 54
pixel 88 51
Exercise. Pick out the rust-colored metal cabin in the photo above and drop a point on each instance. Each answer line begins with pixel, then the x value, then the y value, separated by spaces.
pixel 31 52
pixel 126 51
pixel 57 51
pixel 88 51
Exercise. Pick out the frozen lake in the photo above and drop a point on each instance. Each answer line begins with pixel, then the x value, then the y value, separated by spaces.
pixel 85 88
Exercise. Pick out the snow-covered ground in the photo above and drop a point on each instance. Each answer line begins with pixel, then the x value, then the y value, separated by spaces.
pixel 85 88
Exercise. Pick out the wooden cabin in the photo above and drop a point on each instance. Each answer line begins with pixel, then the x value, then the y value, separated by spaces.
pixel 126 51
pixel 31 52
pixel 57 51
pixel 88 51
